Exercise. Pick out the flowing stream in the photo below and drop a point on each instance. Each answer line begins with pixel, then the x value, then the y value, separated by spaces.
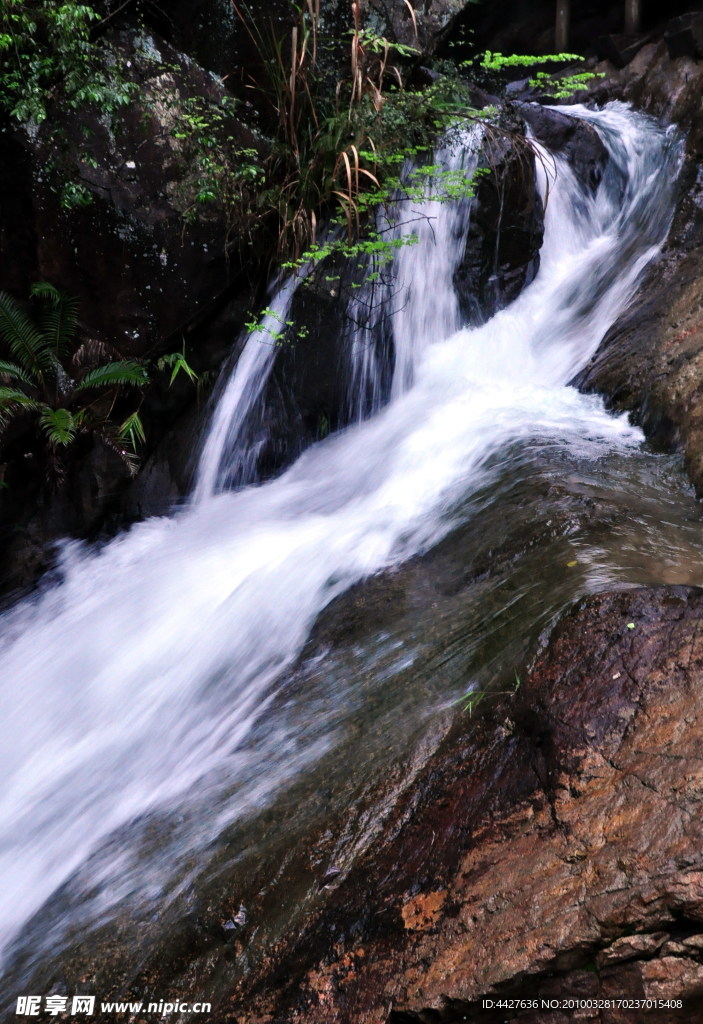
pixel 155 712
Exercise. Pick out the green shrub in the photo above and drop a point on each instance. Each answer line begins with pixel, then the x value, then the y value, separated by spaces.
pixel 48 55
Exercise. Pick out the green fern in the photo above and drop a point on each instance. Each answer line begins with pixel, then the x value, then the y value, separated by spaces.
pixel 58 318
pixel 15 372
pixel 132 430
pixel 122 372
pixel 58 425
pixel 40 381
pixel 177 363
pixel 28 345
pixel 13 398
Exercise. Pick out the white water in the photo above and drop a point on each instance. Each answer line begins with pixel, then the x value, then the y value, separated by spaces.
pixel 414 296
pixel 133 686
pixel 239 396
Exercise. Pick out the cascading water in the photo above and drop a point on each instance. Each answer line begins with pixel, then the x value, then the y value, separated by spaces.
pixel 144 691
pixel 225 454
pixel 415 297
pixel 404 296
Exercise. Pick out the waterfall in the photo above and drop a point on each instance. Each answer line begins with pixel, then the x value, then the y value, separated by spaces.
pixel 132 688
pixel 415 296
pixel 225 452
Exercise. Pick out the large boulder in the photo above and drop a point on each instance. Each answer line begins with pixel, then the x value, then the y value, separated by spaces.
pixel 554 852
pixel 424 26
pixel 684 35
pixel 570 137
pixel 501 255
pixel 308 393
pixel 149 262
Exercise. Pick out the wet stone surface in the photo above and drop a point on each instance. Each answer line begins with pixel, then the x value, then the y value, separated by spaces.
pixel 554 852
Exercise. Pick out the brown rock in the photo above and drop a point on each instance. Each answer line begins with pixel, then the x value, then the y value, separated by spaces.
pixel 672 978
pixel 630 947
pixel 421 912
pixel 541 845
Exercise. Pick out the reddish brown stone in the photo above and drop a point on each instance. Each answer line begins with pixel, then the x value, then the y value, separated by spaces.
pixel 558 844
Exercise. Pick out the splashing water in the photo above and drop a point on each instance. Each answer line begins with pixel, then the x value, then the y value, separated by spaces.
pixel 132 687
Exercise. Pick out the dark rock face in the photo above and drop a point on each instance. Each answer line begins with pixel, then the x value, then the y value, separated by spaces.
pixel 138 264
pixel 146 262
pixel 684 36
pixel 552 853
pixel 569 137
pixel 307 393
pixel 619 48
pixel 425 27
pixel 507 217
pixel 505 234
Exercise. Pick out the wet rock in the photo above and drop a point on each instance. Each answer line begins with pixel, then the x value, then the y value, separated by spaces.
pixel 653 82
pixel 329 877
pixel 569 137
pixel 549 858
pixel 33 514
pixel 501 256
pixel 651 361
pixel 619 50
pixel 684 36
pixel 307 395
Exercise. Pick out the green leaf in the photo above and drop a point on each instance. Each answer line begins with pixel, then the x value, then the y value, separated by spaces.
pixel 121 372
pixel 25 342
pixel 132 430
pixel 178 363
pixel 58 319
pixel 16 372
pixel 58 425
pixel 13 397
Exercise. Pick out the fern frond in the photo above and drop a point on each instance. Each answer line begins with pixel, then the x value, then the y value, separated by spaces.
pixel 25 342
pixel 58 425
pixel 58 318
pixel 132 430
pixel 15 372
pixel 45 290
pixel 112 374
pixel 94 352
pixel 14 399
pixel 109 434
